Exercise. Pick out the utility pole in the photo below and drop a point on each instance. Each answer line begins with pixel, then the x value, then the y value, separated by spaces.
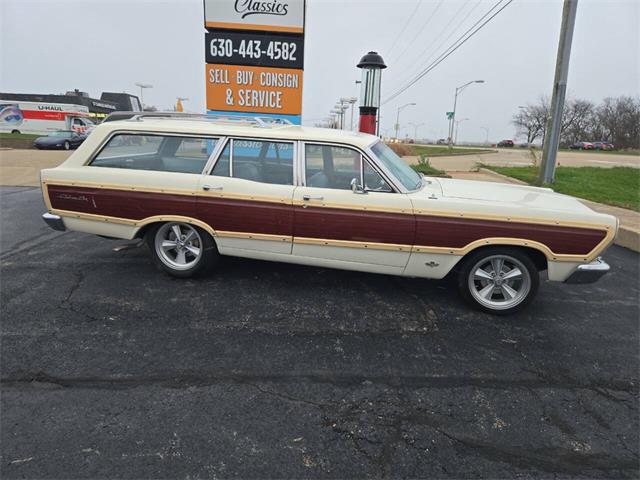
pixel 552 137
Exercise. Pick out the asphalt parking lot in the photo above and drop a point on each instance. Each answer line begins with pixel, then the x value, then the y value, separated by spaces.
pixel 111 369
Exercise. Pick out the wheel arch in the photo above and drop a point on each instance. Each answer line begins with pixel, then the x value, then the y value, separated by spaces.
pixel 147 223
pixel 537 254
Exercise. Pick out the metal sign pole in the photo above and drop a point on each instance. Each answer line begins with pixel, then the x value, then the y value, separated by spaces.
pixel 552 136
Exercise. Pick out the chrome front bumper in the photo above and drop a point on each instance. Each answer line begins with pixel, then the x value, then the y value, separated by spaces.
pixel 54 221
pixel 589 272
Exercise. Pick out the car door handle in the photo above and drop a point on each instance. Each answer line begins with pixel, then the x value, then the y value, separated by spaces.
pixel 210 187
pixel 312 197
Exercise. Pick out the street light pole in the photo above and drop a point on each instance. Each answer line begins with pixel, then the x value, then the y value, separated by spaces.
pixel 455 104
pixel 486 130
pixel 415 130
pixel 402 107
pixel 350 101
pixel 552 136
pixel 458 122
pixel 142 87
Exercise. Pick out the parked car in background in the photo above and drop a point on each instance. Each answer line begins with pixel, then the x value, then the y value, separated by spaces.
pixel 603 146
pixel 200 187
pixel 441 141
pixel 505 143
pixel 582 146
pixel 59 140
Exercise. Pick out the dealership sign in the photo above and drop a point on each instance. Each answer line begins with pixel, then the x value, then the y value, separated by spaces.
pixel 254 55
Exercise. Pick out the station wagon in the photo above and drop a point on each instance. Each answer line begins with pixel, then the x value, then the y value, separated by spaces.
pixel 196 187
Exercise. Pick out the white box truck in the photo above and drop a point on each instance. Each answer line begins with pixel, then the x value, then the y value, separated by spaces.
pixel 42 118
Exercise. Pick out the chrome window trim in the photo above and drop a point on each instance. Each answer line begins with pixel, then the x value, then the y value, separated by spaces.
pixel 215 154
pixel 101 146
pixel 386 176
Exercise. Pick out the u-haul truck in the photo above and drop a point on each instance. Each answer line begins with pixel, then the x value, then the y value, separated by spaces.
pixel 42 118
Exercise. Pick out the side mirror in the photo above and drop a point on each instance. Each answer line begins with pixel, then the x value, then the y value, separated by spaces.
pixel 355 188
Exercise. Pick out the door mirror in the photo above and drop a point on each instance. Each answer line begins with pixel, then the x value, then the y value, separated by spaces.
pixel 355 188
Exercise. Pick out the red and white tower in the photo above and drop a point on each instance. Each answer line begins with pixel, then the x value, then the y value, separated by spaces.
pixel 372 65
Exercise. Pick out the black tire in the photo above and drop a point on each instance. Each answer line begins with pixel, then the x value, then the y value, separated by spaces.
pixel 15 131
pixel 66 145
pixel 525 285
pixel 209 252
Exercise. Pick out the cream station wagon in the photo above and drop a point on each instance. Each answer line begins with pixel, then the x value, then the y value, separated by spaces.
pixel 197 187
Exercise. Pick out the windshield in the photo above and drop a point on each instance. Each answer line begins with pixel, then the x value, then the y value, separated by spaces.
pixel 403 172
pixel 61 133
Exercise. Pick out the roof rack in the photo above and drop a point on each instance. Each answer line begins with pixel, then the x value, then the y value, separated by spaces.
pixel 263 122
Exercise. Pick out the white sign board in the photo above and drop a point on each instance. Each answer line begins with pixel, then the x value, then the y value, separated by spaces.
pixel 262 15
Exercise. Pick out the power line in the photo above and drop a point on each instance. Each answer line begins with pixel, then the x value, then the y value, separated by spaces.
pixel 405 25
pixel 420 30
pixel 462 40
pixel 451 33
pixel 436 49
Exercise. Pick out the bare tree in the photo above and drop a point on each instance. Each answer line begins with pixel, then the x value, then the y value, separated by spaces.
pixel 618 121
pixel 615 120
pixel 578 119
pixel 531 120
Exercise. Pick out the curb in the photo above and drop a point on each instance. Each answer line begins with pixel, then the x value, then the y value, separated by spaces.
pixel 627 237
pixel 502 177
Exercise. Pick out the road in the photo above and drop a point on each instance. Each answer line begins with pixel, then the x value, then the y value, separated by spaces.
pixel 514 157
pixel 111 369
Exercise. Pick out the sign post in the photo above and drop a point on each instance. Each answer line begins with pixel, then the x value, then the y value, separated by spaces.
pixel 254 56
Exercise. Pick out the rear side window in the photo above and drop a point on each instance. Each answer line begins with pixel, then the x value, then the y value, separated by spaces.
pixel 256 160
pixel 156 152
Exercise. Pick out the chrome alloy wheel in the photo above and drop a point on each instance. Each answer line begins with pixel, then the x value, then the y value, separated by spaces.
pixel 499 282
pixel 178 245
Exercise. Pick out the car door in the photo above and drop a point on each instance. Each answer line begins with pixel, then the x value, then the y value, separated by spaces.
pixel 135 176
pixel 371 224
pixel 247 196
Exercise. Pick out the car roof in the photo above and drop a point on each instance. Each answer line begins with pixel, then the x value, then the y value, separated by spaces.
pixel 212 127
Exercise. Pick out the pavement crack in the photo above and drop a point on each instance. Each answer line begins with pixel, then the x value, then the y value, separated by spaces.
pixel 185 379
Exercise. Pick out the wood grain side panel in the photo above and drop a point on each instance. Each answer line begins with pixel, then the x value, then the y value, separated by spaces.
pixel 246 216
pixel 354 225
pixel 457 233
pixel 119 203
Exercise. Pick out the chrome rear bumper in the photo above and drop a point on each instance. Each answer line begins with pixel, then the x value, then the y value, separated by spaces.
pixel 589 272
pixel 54 221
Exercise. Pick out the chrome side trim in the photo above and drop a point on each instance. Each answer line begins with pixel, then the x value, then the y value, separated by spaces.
pixel 54 221
pixel 589 272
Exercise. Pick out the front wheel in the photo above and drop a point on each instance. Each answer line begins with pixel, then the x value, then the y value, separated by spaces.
pixel 67 145
pixel 498 280
pixel 180 249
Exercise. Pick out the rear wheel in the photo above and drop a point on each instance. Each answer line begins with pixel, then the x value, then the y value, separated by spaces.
pixel 498 280
pixel 67 145
pixel 180 249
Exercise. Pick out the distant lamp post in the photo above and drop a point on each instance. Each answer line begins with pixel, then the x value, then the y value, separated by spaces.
pixel 458 122
pixel 371 65
pixel 415 130
pixel 486 131
pixel 350 101
pixel 400 108
pixel 142 87
pixel 452 117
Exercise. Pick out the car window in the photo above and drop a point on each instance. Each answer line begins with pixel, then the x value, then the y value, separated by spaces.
pixel 257 160
pixel 398 167
pixel 331 166
pixel 155 152
pixel 373 181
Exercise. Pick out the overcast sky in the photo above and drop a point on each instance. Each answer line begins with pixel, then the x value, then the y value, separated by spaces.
pixel 107 45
